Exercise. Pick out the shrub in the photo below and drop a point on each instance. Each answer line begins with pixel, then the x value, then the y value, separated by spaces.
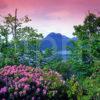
pixel 19 82
pixel 74 90
pixel 92 86
pixel 24 82
pixel 56 85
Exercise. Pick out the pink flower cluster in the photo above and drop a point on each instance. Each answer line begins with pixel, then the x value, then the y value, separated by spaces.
pixel 22 82
pixel 3 90
pixel 28 83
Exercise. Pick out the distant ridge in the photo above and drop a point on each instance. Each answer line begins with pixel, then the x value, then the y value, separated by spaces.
pixel 56 41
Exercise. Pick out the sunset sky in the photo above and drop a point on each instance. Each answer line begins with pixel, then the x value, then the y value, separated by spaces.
pixel 52 15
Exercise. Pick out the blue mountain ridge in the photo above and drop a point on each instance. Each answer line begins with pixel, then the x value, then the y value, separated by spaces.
pixel 56 41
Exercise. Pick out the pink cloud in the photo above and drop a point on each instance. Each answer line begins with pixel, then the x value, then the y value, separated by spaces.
pixel 3 4
pixel 43 7
pixel 59 15
pixel 49 12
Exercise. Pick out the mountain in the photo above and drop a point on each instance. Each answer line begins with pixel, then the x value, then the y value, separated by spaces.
pixel 56 41
pixel 74 38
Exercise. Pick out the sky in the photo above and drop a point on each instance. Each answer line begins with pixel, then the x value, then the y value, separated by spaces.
pixel 52 15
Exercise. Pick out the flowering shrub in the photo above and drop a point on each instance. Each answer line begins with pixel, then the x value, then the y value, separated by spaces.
pixel 18 82
pixel 56 85
pixel 24 82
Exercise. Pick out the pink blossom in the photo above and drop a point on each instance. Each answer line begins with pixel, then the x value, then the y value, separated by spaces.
pixel 38 82
pixel 20 80
pixel 24 92
pixel 44 91
pixel 38 90
pixel 3 90
pixel 24 79
pixel 26 87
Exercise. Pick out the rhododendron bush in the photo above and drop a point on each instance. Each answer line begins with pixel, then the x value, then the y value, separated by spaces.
pixel 28 83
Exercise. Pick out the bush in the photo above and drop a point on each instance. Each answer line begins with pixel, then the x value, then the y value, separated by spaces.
pixel 59 66
pixel 74 89
pixel 56 85
pixel 24 82
pixel 92 86
pixel 21 82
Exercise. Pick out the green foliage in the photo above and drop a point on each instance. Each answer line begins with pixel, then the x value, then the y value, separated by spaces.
pixel 57 65
pixel 48 52
pixel 74 90
pixel 86 51
pixel 56 85
pixel 92 86
pixel 20 43
pixel 85 59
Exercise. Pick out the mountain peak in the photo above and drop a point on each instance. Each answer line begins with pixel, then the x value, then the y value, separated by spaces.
pixel 56 41
pixel 52 34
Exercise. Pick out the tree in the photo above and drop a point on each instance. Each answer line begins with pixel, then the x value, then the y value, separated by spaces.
pixel 4 33
pixel 13 23
pixel 25 40
pixel 88 42
pixel 48 52
pixel 31 45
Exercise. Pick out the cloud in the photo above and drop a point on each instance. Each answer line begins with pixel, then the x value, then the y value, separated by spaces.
pixel 3 4
pixel 51 15
pixel 59 15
